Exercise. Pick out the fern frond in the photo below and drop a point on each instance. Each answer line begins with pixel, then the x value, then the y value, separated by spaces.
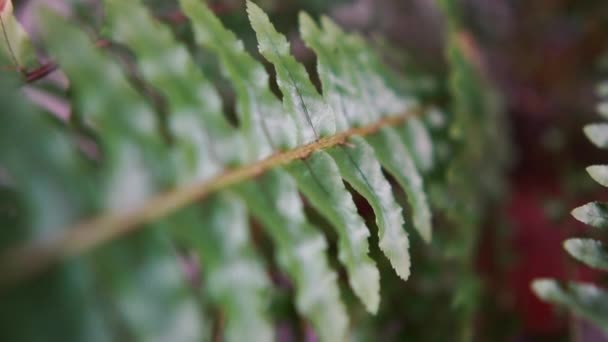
pixel 586 300
pixel 192 194
pixel 359 167
pixel 301 251
pixel 319 180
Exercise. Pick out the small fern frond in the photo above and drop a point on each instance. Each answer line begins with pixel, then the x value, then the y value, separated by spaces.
pixel 586 300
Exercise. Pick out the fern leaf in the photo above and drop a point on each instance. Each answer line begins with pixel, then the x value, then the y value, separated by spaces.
pixel 590 252
pixel 143 282
pixel 204 138
pixel 396 159
pixel 362 70
pixel 586 300
pixel 594 214
pixel 359 167
pixel 261 117
pixel 366 69
pixel 133 149
pixel 313 117
pixel 335 73
pixel 222 243
pixel 43 164
pixel 40 166
pixel 319 180
pixel 300 251
pixel 598 134
pixel 340 89
pixel 127 128
pixel 599 173
pixel 417 137
pixel 233 274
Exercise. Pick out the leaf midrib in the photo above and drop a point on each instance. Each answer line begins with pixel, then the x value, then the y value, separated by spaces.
pixel 34 257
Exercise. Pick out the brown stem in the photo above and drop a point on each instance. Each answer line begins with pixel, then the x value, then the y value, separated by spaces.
pixel 32 258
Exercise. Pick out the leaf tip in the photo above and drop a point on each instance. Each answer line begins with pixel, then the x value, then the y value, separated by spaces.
pixel 544 288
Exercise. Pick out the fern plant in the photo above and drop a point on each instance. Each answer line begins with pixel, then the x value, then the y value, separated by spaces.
pixel 585 299
pixel 171 195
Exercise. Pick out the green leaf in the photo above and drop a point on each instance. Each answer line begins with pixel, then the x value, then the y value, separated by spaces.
pixel 368 72
pixel 141 275
pixel 594 214
pixel 396 159
pixel 204 140
pixel 598 134
pixel 599 173
pixel 143 284
pixel 319 179
pixel 234 276
pixel 134 154
pixel 360 168
pixel 340 90
pixel 261 119
pixel 586 300
pixel 16 45
pixel 337 76
pixel 313 117
pixel 300 251
pixel 40 165
pixel 416 136
pixel 590 252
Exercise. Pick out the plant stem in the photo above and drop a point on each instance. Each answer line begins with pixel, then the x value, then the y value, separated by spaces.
pixel 35 257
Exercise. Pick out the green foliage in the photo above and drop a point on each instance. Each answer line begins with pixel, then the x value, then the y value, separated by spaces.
pixel 586 300
pixel 20 50
pixel 166 280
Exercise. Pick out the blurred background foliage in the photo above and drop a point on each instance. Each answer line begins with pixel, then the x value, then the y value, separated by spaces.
pixel 542 57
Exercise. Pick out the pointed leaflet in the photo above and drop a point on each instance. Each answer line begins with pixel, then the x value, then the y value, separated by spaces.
pixel 314 118
pixel 301 252
pixel 234 277
pixel 594 214
pixel 261 117
pixel 361 170
pixel 339 90
pixel 396 159
pixel 418 139
pixel 319 180
pixel 586 300
pixel 599 173
pixel 590 252
pixel 203 137
pixel 598 134
pixel 141 270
